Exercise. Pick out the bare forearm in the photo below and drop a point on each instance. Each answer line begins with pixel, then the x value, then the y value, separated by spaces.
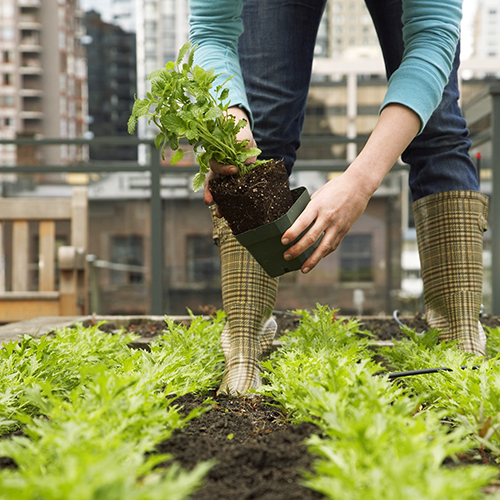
pixel 336 206
pixel 395 129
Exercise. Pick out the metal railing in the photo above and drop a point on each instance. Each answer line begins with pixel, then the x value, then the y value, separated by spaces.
pixel 485 103
pixel 483 116
pixel 156 169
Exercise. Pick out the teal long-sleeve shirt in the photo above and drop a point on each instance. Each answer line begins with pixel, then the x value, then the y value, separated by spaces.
pixel 431 30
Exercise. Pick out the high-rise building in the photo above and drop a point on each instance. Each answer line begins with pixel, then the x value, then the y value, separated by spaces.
pixel 486 44
pixel 43 77
pixel 349 27
pixel 162 29
pixel 111 60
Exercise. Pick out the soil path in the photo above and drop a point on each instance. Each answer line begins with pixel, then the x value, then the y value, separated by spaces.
pixel 259 455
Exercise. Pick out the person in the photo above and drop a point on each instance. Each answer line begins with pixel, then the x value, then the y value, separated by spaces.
pixel 268 46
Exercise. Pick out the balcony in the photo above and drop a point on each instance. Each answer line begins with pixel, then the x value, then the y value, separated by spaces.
pixel 29 3
pixel 32 105
pixel 29 22
pixel 31 115
pixel 31 92
pixel 31 63
pixel 30 45
pixel 30 40
pixel 32 125
pixel 30 70
pixel 31 82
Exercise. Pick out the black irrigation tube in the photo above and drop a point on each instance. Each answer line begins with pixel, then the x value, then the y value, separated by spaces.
pixel 424 371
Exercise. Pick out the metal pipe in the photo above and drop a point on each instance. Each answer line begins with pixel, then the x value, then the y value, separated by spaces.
pixel 157 267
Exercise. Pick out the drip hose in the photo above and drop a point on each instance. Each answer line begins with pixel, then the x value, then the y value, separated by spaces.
pixel 424 371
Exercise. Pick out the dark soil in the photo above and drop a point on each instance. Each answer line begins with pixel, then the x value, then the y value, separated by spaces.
pixel 258 454
pixel 255 199
pixel 388 328
pixel 384 328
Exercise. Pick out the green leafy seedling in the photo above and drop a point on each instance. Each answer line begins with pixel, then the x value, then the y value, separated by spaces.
pixel 184 105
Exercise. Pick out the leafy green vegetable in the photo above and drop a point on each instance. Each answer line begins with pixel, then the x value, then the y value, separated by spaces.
pixel 378 439
pixel 187 107
pixel 92 410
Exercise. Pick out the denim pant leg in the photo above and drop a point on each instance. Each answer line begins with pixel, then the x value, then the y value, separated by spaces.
pixel 276 51
pixel 439 157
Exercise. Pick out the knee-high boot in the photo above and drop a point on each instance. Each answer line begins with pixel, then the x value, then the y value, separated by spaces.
pixel 450 228
pixel 248 297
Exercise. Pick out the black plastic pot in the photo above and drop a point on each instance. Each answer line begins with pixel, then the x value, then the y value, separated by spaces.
pixel 264 242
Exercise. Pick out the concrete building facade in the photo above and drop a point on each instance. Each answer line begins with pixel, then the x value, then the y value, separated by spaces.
pixel 486 43
pixel 43 76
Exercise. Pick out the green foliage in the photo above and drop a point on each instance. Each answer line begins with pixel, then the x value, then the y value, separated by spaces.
pixel 493 344
pixel 377 439
pixel 91 409
pixel 469 394
pixel 186 106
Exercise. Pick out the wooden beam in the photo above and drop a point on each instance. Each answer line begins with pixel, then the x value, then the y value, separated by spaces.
pixel 35 209
pixel 14 308
pixel 79 218
pixel 20 256
pixel 46 258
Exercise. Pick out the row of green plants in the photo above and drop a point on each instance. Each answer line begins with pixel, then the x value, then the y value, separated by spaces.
pixel 81 412
pixel 92 410
pixel 384 439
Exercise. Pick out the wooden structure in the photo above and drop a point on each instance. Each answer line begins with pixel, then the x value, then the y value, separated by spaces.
pixel 68 268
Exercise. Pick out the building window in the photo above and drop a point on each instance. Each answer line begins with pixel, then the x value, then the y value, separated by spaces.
pixel 7 79
pixel 6 34
pixel 127 250
pixel 356 258
pixel 203 262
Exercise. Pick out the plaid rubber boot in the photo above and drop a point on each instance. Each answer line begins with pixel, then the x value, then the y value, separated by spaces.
pixel 450 228
pixel 248 297
pixel 266 338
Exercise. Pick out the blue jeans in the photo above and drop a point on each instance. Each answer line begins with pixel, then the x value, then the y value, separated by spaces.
pixel 276 53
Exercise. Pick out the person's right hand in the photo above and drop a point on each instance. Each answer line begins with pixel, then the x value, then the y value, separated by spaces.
pixel 217 169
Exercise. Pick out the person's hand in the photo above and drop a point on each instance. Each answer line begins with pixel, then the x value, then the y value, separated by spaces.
pixel 333 209
pixel 217 169
pixel 336 206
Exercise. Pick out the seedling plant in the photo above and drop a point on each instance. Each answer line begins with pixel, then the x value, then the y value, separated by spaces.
pixel 184 104
pixel 92 410
pixel 380 439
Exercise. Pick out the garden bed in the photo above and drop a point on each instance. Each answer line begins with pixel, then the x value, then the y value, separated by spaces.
pixel 384 328
pixel 259 454
pixel 258 444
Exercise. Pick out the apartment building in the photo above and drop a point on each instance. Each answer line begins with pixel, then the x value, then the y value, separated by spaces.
pixel 43 78
pixel 486 43
pixel 349 27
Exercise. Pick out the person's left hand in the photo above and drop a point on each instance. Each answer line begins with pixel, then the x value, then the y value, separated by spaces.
pixel 333 209
pixel 336 206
